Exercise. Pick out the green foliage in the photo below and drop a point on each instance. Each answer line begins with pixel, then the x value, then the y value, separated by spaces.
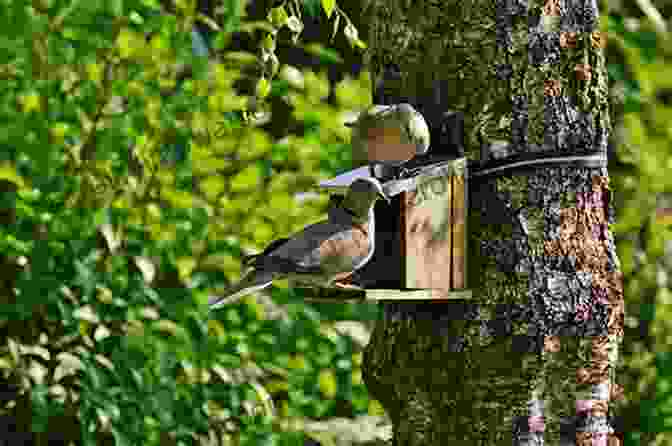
pixel 640 181
pixel 110 241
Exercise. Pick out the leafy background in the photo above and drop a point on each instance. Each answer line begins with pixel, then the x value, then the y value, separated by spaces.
pixel 145 146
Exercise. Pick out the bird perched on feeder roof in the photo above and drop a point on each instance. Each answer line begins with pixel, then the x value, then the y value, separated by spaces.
pixel 389 133
pixel 324 253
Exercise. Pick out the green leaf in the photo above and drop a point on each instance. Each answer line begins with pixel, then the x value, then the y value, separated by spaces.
pixel 328 6
pixel 278 16
pixel 248 179
pixel 213 186
pixel 327 383
pixel 154 4
pixel 263 88
pixel 241 57
pixel 222 40
pixel 185 266
pixel 279 87
pixel 615 24
pixel 177 198
pixel 312 7
pixel 326 55
pixel 208 21
pixel 8 172
pixel 136 18
pixel 116 7
pixel 250 27
pixel 656 240
pixel 120 437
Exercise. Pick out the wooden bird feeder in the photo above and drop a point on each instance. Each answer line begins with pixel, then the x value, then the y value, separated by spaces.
pixel 421 237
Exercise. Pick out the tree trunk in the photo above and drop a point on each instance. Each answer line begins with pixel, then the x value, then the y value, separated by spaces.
pixel 531 358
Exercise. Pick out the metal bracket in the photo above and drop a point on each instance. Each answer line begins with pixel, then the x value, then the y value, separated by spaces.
pixel 531 161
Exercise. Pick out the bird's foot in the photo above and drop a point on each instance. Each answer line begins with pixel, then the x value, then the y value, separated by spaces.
pixel 346 286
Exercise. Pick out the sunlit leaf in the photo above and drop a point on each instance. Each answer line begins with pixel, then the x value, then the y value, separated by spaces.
pixel 637 132
pixel 317 85
pixel 208 21
pixel 241 57
pixel 37 371
pixel 30 102
pixel 185 265
pixel 327 383
pixel 263 87
pixel 253 26
pixel 247 179
pixel 375 408
pixel 129 43
pixel 146 267
pixel 278 16
pixel 328 6
pixel 178 198
pixel 86 313
pixel 254 144
pixel 293 76
pixel 297 362
pixel 213 186
pixel 8 172
pixel 359 43
pixel 68 364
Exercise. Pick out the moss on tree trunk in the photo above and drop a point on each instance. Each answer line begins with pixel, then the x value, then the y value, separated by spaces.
pixel 534 352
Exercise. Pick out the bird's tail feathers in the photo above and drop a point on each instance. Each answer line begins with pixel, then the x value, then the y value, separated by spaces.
pixel 253 281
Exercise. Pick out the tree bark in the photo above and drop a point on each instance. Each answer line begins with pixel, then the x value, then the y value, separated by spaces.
pixel 531 358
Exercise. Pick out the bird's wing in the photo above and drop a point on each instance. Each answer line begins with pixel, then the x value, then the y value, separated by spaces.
pixel 250 260
pixel 324 246
pixel 343 251
pixel 336 216
pixel 298 252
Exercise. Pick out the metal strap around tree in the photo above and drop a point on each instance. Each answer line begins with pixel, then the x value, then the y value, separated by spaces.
pixel 531 161
pixel 406 176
